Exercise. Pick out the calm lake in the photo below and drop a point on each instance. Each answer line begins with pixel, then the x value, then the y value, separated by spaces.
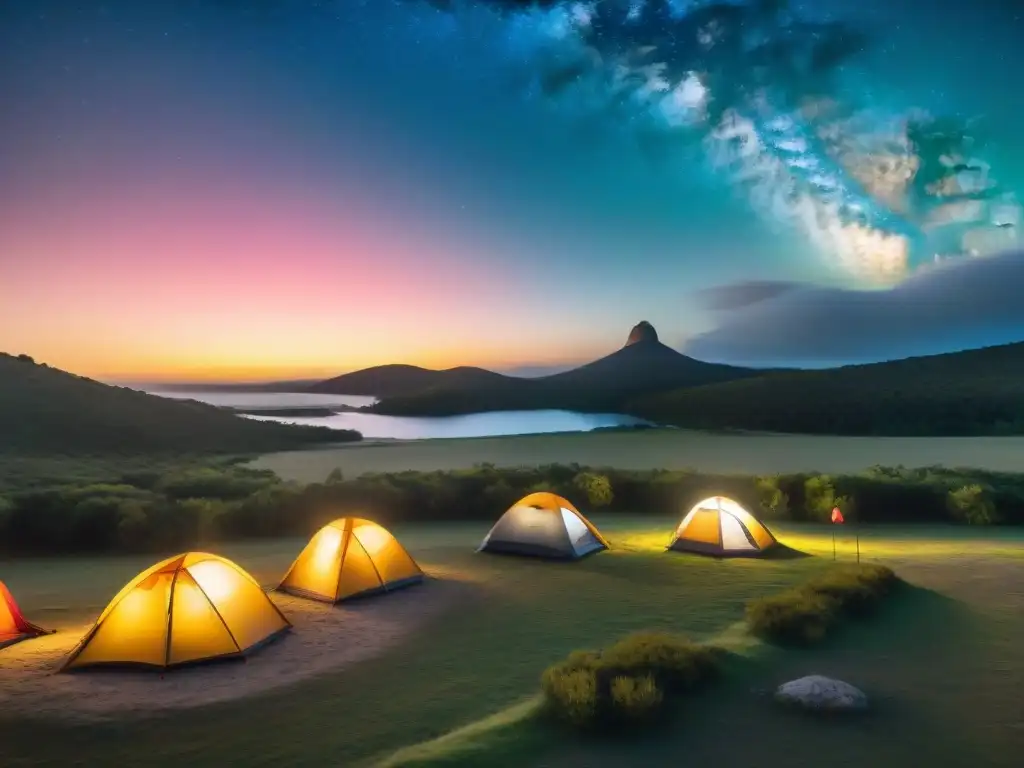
pixel 407 427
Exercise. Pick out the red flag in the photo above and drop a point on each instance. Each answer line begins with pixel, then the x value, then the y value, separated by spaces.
pixel 837 515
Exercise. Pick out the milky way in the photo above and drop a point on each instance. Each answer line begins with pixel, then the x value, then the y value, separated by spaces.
pixel 759 88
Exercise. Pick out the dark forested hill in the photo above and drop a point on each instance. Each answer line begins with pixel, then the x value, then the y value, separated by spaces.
pixel 964 393
pixel 403 380
pixel 45 410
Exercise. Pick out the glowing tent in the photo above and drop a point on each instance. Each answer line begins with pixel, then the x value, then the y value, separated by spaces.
pixel 188 608
pixel 720 526
pixel 543 525
pixel 350 557
pixel 13 626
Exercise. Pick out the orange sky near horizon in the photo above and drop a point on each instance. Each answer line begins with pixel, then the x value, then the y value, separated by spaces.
pixel 203 281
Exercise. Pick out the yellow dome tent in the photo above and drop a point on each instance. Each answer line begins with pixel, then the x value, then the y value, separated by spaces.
pixel 720 526
pixel 350 557
pixel 13 626
pixel 188 608
pixel 543 525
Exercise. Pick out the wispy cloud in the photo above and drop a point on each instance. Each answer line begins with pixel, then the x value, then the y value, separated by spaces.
pixel 951 305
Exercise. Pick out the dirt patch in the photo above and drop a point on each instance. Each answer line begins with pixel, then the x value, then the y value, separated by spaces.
pixel 323 638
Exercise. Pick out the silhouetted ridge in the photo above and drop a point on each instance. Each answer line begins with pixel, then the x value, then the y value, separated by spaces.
pixel 644 365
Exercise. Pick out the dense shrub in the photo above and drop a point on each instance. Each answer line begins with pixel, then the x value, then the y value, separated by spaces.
pixel 628 683
pixel 57 507
pixel 970 504
pixel 596 489
pixel 212 483
pixel 793 617
pixel 636 698
pixel 819 498
pixel 773 501
pixel 856 590
pixel 804 615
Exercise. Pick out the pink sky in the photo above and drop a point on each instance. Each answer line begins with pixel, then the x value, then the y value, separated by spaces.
pixel 188 278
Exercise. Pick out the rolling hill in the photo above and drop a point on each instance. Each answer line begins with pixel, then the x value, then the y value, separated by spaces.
pixel 977 392
pixel 45 410
pixel 643 365
pixel 404 380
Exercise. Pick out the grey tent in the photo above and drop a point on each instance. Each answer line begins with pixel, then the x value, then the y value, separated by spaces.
pixel 544 525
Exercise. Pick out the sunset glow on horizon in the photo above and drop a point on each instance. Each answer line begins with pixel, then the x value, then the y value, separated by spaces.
pixel 246 282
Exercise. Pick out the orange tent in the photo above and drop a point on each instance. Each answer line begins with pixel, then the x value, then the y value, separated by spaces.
pixel 188 608
pixel 350 557
pixel 13 626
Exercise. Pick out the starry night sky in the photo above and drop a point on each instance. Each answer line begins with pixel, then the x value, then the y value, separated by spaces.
pixel 212 189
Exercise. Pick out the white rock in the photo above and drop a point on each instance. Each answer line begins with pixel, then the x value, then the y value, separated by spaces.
pixel 822 694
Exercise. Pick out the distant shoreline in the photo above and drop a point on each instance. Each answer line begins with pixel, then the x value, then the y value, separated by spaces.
pixel 299 411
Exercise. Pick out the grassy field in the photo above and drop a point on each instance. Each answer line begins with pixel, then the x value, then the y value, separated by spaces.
pixel 944 664
pixel 650 449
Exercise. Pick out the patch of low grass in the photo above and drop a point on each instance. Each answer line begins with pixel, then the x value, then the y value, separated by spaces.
pixel 631 682
pixel 509 738
pixel 805 615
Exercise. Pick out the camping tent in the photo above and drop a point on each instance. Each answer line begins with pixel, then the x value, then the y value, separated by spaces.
pixel 544 525
pixel 13 626
pixel 347 558
pixel 720 526
pixel 188 608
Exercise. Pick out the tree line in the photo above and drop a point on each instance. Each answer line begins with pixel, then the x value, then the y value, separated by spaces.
pixel 176 508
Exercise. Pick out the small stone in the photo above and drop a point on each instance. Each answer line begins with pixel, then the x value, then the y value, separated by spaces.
pixel 822 694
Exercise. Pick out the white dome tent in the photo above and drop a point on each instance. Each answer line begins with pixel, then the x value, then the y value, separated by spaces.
pixel 544 525
pixel 720 526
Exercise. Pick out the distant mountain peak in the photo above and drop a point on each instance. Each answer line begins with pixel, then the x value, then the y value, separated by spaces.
pixel 642 331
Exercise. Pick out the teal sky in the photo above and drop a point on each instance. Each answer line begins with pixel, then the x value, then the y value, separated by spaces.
pixel 417 119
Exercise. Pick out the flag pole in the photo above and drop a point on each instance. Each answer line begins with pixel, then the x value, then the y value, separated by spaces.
pixel 837 518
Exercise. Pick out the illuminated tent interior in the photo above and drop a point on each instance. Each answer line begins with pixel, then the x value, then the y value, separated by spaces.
pixel 720 526
pixel 544 525
pixel 350 557
pixel 188 608
pixel 13 626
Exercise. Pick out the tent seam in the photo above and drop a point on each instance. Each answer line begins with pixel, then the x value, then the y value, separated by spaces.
pixel 380 579
pixel 216 611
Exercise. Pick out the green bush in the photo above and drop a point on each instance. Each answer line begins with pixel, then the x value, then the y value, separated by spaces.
pixel 636 698
pixel 857 590
pixel 629 682
pixel 806 614
pixel 793 617
pixel 676 663
pixel 970 504
pixel 573 693
pixel 772 499
pixel 215 484
pixel 597 489
pixel 819 498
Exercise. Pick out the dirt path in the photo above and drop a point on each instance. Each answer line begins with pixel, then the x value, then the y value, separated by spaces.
pixel 323 638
